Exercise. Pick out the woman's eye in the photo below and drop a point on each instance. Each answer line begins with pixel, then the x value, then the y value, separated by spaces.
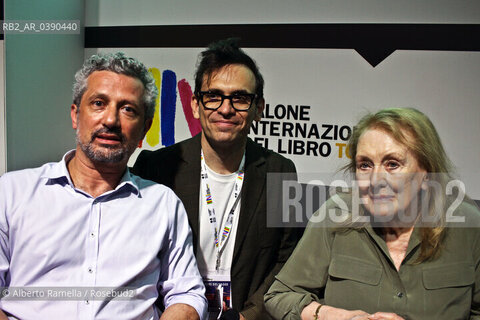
pixel 363 166
pixel 392 165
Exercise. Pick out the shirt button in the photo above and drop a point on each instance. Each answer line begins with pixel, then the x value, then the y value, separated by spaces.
pixel 90 270
pixel 400 294
pixel 92 235
pixel 87 302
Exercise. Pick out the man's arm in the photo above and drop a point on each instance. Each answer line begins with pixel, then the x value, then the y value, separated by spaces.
pixel 4 256
pixel 178 311
pixel 180 284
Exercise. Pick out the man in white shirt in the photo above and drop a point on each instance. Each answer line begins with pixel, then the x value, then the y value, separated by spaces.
pixel 85 229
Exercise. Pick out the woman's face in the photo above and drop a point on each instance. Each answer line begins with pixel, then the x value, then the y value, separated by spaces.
pixel 388 175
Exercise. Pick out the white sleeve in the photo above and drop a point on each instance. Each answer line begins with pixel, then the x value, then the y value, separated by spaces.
pixel 180 281
pixel 4 243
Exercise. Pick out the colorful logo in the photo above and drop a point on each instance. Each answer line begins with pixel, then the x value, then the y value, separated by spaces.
pixel 166 105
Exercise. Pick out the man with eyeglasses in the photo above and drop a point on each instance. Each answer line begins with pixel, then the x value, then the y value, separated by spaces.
pixel 220 176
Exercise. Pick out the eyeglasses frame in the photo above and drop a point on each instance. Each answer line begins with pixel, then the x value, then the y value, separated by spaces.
pixel 200 95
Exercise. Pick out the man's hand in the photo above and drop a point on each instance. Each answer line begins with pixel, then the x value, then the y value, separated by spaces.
pixel 180 311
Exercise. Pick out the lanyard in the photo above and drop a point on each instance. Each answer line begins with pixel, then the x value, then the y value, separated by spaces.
pixel 237 188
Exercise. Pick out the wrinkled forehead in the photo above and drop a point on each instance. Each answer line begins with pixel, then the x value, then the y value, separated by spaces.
pixel 108 76
pixel 401 141
pixel 378 141
pixel 400 135
pixel 113 83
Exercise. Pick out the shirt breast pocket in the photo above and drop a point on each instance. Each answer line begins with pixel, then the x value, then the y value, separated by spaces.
pixel 350 280
pixel 449 286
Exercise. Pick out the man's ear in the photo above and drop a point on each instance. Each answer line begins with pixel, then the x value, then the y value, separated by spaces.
pixel 195 107
pixel 259 109
pixel 73 115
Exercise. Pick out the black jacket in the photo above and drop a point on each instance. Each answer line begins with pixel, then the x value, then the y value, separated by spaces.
pixel 259 251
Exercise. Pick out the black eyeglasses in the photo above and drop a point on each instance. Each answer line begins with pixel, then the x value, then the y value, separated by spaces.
pixel 213 100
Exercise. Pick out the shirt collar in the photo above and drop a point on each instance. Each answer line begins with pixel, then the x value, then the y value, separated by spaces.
pixel 127 181
pixel 413 243
pixel 58 174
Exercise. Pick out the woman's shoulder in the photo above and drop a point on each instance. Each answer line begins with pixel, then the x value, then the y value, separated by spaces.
pixel 463 214
pixel 463 227
pixel 337 212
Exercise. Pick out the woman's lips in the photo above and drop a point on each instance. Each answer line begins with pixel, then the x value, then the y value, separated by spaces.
pixel 382 197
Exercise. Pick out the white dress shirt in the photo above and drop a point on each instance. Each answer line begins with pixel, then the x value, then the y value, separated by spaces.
pixel 54 235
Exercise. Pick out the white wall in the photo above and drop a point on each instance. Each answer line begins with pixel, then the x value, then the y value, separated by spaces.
pixel 166 12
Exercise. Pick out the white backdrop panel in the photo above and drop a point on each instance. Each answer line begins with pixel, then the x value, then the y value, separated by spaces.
pixel 339 86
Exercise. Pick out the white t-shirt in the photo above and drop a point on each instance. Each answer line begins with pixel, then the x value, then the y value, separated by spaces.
pixel 221 188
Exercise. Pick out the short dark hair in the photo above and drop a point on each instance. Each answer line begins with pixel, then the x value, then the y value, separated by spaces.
pixel 222 53
pixel 119 63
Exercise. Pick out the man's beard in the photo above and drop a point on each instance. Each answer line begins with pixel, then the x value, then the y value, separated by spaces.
pixel 105 153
